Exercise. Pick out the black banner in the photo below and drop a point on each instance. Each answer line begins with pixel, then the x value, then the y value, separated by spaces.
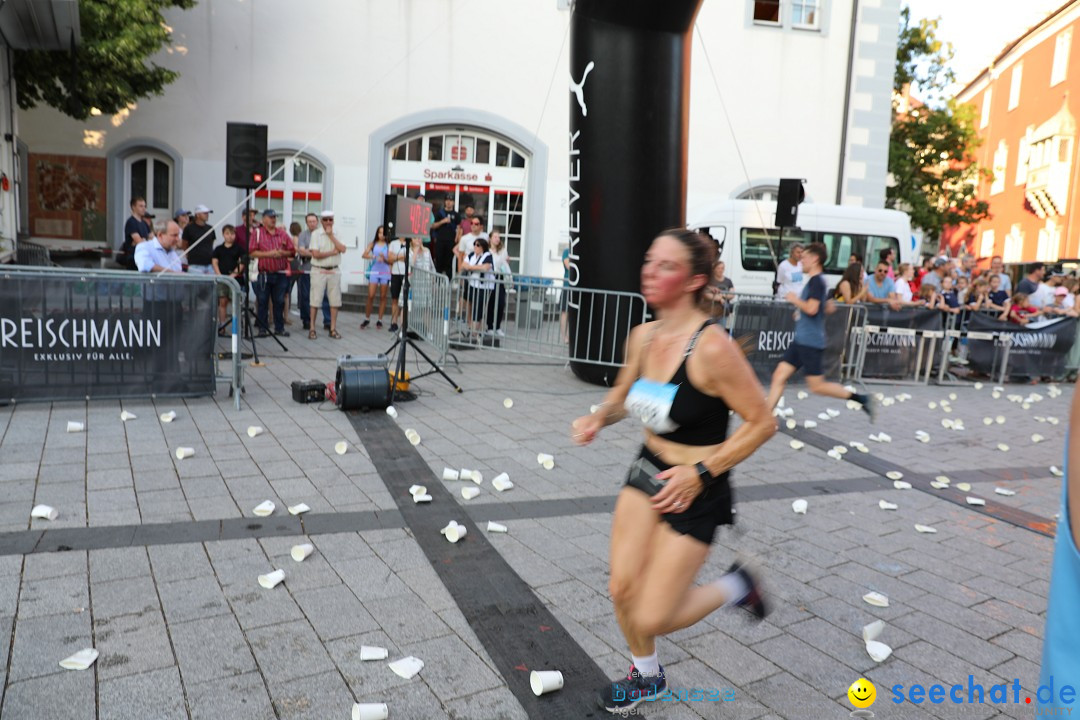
pixel 1039 349
pixel 765 329
pixel 68 337
pixel 891 355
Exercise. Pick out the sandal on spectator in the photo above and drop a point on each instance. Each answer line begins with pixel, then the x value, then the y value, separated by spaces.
pixel 312 335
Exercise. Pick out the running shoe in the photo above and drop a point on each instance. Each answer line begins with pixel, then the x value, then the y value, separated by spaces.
pixel 625 694
pixel 393 327
pixel 753 601
pixel 868 407
pixel 363 325
pixel 378 324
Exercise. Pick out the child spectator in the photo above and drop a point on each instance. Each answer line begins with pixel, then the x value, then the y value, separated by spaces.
pixel 928 296
pixel 998 297
pixel 950 302
pixel 1020 310
pixel 963 286
pixel 902 285
pixel 227 260
pixel 979 296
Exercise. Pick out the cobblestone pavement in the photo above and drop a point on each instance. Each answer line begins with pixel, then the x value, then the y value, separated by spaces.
pixel 162 555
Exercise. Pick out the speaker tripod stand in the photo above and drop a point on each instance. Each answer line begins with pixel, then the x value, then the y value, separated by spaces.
pixel 404 341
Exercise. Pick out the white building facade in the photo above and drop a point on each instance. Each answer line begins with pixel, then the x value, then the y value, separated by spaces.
pixel 467 99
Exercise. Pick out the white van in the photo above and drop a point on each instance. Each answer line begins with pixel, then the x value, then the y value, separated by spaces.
pixel 745 229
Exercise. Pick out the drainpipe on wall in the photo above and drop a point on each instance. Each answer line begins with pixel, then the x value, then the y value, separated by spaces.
pixel 847 100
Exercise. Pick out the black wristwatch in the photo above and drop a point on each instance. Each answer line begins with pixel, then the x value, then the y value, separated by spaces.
pixel 703 473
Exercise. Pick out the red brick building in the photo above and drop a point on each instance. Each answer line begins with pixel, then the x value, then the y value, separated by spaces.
pixel 1026 106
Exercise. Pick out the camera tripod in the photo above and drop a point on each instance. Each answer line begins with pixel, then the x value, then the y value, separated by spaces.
pixel 403 340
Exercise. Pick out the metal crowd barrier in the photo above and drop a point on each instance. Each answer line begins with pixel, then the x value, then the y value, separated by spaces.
pixel 429 309
pixel 956 332
pixel 120 295
pixel 527 315
pixel 925 341
pixel 746 316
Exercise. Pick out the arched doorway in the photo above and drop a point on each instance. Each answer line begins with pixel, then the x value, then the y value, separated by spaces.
pixel 473 168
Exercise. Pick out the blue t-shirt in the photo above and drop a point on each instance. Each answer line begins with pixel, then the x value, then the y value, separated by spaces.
pixel 950 299
pixel 881 292
pixel 1061 652
pixel 565 270
pixel 810 329
pixel 999 297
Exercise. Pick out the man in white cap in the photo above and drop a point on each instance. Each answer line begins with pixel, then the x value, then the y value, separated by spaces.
pixel 326 251
pixel 199 243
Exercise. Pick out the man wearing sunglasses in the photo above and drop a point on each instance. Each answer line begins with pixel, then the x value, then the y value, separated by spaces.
pixel 326 252
pixel 880 289
pixel 465 245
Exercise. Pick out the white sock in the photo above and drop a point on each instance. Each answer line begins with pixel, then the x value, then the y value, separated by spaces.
pixel 734 587
pixel 647 666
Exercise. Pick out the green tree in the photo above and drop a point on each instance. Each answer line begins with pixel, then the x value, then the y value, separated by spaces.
pixel 109 69
pixel 931 147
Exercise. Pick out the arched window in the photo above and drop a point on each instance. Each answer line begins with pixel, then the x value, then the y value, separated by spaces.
pixel 149 174
pixel 296 187
pixel 760 192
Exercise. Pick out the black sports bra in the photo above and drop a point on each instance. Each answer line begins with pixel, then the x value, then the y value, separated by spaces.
pixel 676 410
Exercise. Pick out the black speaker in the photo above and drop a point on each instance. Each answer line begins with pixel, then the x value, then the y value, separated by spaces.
pixel 245 155
pixel 362 382
pixel 787 202
pixel 389 215
pixel 362 387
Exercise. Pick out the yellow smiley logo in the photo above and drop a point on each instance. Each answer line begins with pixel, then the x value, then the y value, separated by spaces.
pixel 862 693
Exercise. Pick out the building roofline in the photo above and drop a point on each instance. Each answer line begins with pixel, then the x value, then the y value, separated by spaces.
pixel 1013 44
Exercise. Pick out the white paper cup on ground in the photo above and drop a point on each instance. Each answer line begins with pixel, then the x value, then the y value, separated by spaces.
pixel 542 458
pixel 469 493
pixel 300 552
pixel 508 403
pixel 477 477
pixel 341 447
pixel 81 660
pixel 407 667
pixel 264 509
pixel 421 498
pixel 271 580
pixel 125 416
pixel 873 630
pixel 44 512
pixel 391 411
pixel 455 532
pixel 373 652
pixel 370 711
pixel 73 426
pixel 168 417
pixel 545 681
pixel 799 506
pixel 495 527
pixel 182 453
pixel 299 508
pixel 450 474
pixel 502 482
pixel 413 436
pixel 415 490
pixel 549 464
pixel 254 431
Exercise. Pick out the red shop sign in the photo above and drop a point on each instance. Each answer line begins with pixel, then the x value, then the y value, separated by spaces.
pixel 482 189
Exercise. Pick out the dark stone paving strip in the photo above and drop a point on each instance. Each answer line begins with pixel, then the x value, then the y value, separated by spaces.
pixel 25 542
pixel 1013 516
pixel 516 628
pixel 119 536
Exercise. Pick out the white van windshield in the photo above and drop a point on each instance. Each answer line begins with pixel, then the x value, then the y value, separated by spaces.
pixel 840 246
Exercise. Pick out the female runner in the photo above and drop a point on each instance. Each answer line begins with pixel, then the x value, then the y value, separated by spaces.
pixel 682 376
